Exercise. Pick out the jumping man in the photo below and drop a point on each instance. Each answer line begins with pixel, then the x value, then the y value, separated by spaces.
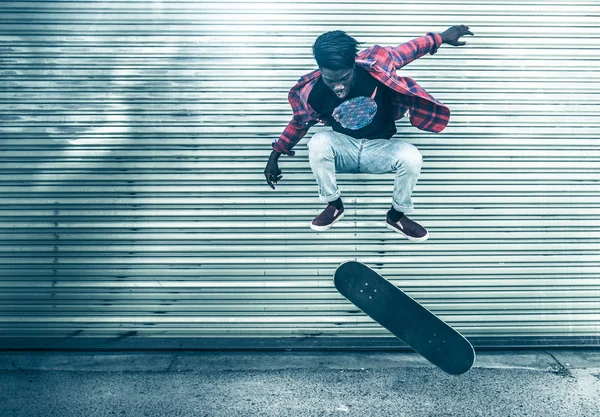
pixel 360 96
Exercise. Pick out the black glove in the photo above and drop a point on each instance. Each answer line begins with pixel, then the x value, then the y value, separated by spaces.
pixel 272 171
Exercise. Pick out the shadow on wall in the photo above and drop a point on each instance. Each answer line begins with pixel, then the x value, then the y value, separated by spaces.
pixel 98 155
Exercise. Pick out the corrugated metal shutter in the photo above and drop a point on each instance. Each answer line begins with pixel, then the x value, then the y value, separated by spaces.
pixel 134 210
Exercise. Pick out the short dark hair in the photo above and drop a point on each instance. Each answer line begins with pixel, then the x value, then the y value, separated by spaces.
pixel 335 50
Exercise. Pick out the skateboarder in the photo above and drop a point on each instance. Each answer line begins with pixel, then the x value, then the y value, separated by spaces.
pixel 360 96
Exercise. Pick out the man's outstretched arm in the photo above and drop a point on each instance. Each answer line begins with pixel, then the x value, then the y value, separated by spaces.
pixel 407 52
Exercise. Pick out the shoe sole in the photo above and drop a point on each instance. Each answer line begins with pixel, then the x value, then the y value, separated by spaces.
pixel 323 228
pixel 411 238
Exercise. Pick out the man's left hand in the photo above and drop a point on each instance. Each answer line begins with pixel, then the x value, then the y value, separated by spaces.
pixel 454 33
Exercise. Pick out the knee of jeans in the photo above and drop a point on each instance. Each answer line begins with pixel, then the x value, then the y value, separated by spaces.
pixel 320 145
pixel 410 158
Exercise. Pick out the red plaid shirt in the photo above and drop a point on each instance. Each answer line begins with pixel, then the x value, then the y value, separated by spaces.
pixel 426 113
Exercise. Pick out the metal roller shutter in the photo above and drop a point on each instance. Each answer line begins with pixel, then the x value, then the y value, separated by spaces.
pixel 134 212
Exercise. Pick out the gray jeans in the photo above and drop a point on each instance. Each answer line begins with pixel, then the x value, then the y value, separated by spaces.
pixel 330 152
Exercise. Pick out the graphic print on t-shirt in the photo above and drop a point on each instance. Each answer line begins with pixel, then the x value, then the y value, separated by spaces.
pixel 366 113
pixel 357 112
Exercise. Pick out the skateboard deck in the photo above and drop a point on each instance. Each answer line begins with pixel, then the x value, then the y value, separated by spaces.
pixel 408 320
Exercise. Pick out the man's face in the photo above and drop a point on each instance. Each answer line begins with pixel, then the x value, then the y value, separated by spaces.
pixel 339 81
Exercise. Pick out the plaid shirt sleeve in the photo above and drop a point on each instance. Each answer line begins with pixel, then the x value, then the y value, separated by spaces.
pixel 426 113
pixel 407 52
pixel 301 122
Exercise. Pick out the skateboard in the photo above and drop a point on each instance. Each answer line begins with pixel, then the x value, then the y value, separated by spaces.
pixel 408 320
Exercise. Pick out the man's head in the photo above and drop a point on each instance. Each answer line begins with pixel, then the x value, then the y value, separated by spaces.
pixel 335 53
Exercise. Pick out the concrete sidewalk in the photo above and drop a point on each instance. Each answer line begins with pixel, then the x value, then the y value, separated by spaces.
pixel 226 384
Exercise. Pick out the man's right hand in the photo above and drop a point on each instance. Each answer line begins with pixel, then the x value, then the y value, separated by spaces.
pixel 272 171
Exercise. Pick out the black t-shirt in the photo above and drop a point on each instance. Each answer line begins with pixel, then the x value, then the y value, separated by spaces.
pixel 354 116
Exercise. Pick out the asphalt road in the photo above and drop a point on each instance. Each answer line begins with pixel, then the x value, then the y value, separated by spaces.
pixel 565 383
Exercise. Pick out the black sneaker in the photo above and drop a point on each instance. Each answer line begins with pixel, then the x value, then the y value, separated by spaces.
pixel 406 227
pixel 327 218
